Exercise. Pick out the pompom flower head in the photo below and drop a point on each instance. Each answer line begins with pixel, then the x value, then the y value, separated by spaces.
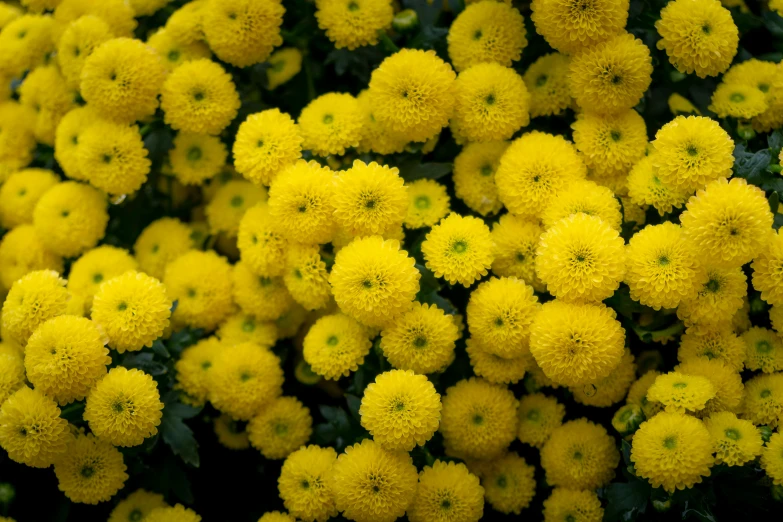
pixel 583 197
pixel 266 142
pixel 33 300
pixel 66 140
pixel 25 52
pixel 265 298
pixel 335 346
pixel 260 241
pixel 570 26
pixel 353 24
pixel 763 399
pixel 509 485
pixel 229 204
pixel 539 416
pixel 767 276
pixel 281 427
pixel 91 470
pixel 138 504
pixel 516 240
pixel 304 483
pixel 160 243
pixel 193 368
pixel 547 82
pixel 474 176
pixel 646 188
pixel 494 368
pixel 242 32
pixel 113 158
pixel 22 252
pixel 579 455
pixel 174 53
pixel 196 157
pixel 486 32
pixel 19 194
pixel 306 277
pixel 96 267
pixel 612 388
pixel 178 512
pixel 610 144
pixel 566 504
pixel 734 441
pixel 716 341
pixel 718 298
pixel 447 491
pixel 428 203
pixel 680 393
pixel 738 101
pixel 725 380
pixel 764 350
pixel 331 123
pixel 459 249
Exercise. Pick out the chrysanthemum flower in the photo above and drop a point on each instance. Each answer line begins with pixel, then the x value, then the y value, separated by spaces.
pixel 492 102
pixel 500 312
pixel 231 434
pixel 186 23
pixel 764 350
pixel 138 504
pixel 447 491
pixel 17 141
pixel 576 344
pixel 579 455
pixel 304 483
pixel 725 380
pixel 737 101
pixel 535 168
pixel 306 277
pixel 31 430
pixel 376 136
pixel 77 43
pixel 539 416
pixel 160 243
pixel 734 441
pixel 459 249
pixel 422 339
pixel 516 240
pixel 428 203
pixel 763 401
pixel 369 199
pixel 767 277
pixel 193 368
pixel 672 451
pixel 66 140
pixel 716 341
pixel 698 36
pixel 509 485
pixel 260 242
pixel 230 203
pixel 242 328
pixel 612 76
pixel 177 513
pixel 95 267
pixel 729 222
pixel 718 299
pixel 196 157
pixel 371 484
pixel 547 82
pixel 242 32
pixel 772 459
pixel 411 93
pixel 133 309
pixel 679 392
pixel 373 280
pixel 22 252
pixel 20 193
pixel 637 394
pixel 12 371
pixel 124 407
pixel 266 143
pixel 65 356
pixel 479 419
pixel 31 301
pixel 201 284
pixel 9 13
pixel 281 427
pixel 174 53
pixel 494 368
pixel 301 202
pixel 31 49
pixel 486 32
pixel 354 24
pixel 121 80
pixel 582 197
pixel 610 144
pixel 44 91
pixel 284 64
pixel 199 96
pixel 661 267
pixel 570 26
pixel 581 258
pixel 276 516
pixel 70 218
pixel 331 123
pixel 335 346
pixel 91 470
pixel 112 157
pixel 474 176
pixel 117 13
pixel 571 504
pixel 612 388
pixel 265 298
pixel 243 379
pixel 679 105
pixel 692 151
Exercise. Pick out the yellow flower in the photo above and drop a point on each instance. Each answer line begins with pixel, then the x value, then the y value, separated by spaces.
pixel 661 267
pixel 734 441
pixel 369 199
pixel 400 410
pixel 579 455
pixel 575 505
pixel 534 169
pixel 331 123
pixel 612 76
pixel 547 82
pixel 428 202
pixel 539 415
pixel 260 242
pixel 354 24
pixel 242 328
pixel 243 379
pixel 645 187
pixel 31 430
pixel 492 103
pixel 637 394
pixel 583 197
pixel 133 309
pixel 186 23
pixel 22 252
pixel 282 427
pixel 447 491
pixel 377 137
pixel 17 141
pixel 371 484
pixel 193 368
pixel 479 419
pixel 196 157
pixel 335 346
pixel 679 392
pixel 121 80
pixel 199 96
pixel 284 64
pixel 136 505
pixel 304 483
pixel 12 372
pixel 772 459
pixel 230 433
pixel 763 401
pixel 509 485
pixel 610 144
pixel 177 513
pixel 112 157
pixel 265 298
pixel 230 203
pixel 411 93
pixel 576 344
pixel 306 277
pixel 516 240
pixel 672 451
pixel 66 140
pixel 201 284
pixel 570 26
pixel 29 51
pixel 20 193
pixel 31 301
pixel 174 53
pixel 301 202
pixel 737 101
pixel 766 276
pixel 70 218
pixel 65 357
pixel 474 176
pixel 718 299
pixel 95 267
pixel 9 13
pixel 486 32
pixel 77 43
pixel 725 380
pixel 91 470
pixel 276 516
pixel 266 143
pixel 612 388
pixel 117 13
pixel 775 312
pixel 242 32
pixel 698 36
pixel 494 368
pixel 680 105
pixel 160 243
pixel 728 223
pixel 44 91
pixel 712 342
pixel 764 350
pixel 459 249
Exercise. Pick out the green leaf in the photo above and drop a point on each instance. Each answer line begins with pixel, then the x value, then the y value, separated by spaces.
pixel 428 283
pixel 159 349
pixel 354 403
pixel 179 438
pixel 413 170
pixel 774 22
pixel 144 362
pixel 774 202
pixel 627 500
pixel 775 141
pixel 749 165
pixel 73 412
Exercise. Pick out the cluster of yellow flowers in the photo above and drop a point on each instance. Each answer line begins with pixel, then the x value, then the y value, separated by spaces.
pixel 311 242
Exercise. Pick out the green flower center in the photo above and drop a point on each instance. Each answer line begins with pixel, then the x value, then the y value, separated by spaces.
pixel 541 80
pixel 237 201
pixel 615 135
pixel 501 482
pixel 332 340
pixel 194 154
pixel 713 285
pixel 763 347
pixel 97 278
pixel 533 415
pixel 353 6
pixel 733 434
pixel 87 471
pixel 249 325
pixel 422 202
pixel 328 119
pixel 737 97
pixel 420 342
pixel 122 306
pixel 135 515
pixel 670 443
pixel 486 170
pixel 173 55
pixel 680 385
pixel 459 247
